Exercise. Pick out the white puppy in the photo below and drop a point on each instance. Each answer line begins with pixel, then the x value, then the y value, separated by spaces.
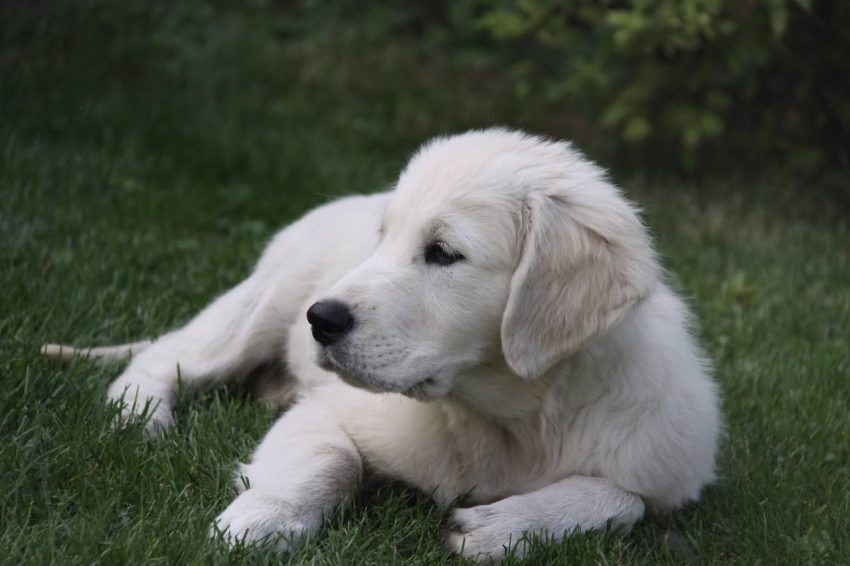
pixel 502 320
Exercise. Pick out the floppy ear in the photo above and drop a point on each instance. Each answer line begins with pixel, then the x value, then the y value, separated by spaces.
pixel 582 268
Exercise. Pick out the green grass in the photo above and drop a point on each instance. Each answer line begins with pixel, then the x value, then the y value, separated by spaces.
pixel 146 155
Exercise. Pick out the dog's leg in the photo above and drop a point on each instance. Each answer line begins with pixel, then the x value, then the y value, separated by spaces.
pixel 236 333
pixel 304 469
pixel 486 532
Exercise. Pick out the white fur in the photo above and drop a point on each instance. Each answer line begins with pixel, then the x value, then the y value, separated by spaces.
pixel 551 374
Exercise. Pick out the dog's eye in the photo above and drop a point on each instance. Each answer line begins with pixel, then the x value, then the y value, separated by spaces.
pixel 440 254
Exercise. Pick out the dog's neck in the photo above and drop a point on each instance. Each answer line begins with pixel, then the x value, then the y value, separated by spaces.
pixel 495 392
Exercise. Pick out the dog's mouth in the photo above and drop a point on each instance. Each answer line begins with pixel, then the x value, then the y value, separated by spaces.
pixel 422 389
pixel 358 378
pixel 328 362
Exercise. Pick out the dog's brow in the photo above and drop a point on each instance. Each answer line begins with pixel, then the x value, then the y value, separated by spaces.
pixel 437 231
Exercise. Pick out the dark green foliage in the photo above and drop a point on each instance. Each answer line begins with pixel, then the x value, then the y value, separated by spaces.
pixel 149 149
pixel 677 78
pixel 691 85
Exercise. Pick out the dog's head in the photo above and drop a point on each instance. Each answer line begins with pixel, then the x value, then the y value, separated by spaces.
pixel 496 248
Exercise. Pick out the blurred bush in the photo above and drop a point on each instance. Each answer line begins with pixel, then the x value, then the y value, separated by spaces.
pixel 664 85
pixel 688 84
pixel 685 79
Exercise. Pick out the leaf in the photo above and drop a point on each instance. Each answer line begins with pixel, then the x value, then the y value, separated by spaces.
pixel 778 17
pixel 637 129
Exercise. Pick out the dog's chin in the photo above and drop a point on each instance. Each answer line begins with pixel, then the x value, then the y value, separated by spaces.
pixel 324 361
pixel 327 362
pixel 421 389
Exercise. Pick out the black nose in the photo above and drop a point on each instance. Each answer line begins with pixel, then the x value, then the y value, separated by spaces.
pixel 330 321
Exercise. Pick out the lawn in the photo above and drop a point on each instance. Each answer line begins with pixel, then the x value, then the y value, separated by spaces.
pixel 146 156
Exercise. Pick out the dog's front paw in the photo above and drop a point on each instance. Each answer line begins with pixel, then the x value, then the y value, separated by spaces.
pixel 143 399
pixel 486 533
pixel 256 516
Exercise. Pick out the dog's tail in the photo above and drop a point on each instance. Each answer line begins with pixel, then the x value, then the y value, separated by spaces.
pixel 63 353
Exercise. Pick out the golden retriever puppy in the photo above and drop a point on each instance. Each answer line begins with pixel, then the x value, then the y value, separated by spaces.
pixel 497 325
